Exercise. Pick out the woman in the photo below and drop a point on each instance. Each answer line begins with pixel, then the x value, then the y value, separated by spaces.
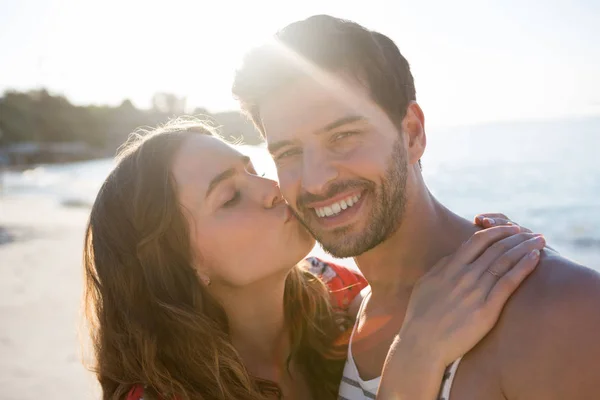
pixel 193 289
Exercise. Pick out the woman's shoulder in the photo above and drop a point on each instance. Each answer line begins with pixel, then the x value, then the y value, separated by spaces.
pixel 344 283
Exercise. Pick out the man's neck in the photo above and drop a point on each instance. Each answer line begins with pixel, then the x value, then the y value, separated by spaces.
pixel 428 232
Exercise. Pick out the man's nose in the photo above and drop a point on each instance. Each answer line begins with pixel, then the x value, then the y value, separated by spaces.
pixel 318 172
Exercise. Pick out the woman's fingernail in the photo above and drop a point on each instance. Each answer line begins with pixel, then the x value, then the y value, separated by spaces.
pixel 539 241
pixel 534 254
pixel 489 221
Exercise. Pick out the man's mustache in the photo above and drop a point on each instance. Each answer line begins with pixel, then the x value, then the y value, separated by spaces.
pixel 333 189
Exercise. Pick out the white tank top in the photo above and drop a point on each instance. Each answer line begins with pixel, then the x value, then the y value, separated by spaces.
pixel 353 387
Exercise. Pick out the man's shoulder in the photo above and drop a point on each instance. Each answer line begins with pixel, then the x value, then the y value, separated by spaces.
pixel 550 322
pixel 557 288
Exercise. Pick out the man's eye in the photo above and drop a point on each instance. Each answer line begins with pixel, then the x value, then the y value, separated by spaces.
pixel 233 201
pixel 287 154
pixel 342 135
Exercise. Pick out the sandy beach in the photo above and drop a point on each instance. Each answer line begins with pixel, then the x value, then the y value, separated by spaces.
pixel 40 292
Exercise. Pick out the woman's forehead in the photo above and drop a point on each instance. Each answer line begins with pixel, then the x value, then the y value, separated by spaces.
pixel 201 157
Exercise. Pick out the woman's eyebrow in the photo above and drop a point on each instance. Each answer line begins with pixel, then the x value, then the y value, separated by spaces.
pixel 223 176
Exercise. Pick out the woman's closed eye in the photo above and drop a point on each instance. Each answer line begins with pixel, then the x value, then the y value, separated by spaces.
pixel 233 200
pixel 250 169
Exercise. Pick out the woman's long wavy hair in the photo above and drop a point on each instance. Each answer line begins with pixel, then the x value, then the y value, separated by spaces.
pixel 152 322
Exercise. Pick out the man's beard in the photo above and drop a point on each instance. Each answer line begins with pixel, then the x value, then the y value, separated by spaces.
pixel 388 204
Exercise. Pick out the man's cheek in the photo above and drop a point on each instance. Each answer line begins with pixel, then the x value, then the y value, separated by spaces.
pixel 287 183
pixel 365 164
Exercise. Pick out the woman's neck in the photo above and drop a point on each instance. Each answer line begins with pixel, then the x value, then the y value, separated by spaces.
pixel 257 326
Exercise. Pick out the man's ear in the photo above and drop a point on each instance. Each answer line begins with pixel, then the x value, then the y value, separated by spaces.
pixel 413 127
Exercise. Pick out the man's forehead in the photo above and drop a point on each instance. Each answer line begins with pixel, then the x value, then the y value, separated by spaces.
pixel 306 107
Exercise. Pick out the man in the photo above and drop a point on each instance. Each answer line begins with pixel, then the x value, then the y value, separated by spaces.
pixel 337 106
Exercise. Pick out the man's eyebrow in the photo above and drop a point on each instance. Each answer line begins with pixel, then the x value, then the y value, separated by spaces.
pixel 342 121
pixel 223 176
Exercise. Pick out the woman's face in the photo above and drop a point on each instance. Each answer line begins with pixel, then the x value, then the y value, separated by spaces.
pixel 240 227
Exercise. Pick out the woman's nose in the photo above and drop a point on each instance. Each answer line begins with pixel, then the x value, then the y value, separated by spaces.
pixel 267 192
pixel 273 197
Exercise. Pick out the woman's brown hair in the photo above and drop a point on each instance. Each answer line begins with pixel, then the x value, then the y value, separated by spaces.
pixel 151 321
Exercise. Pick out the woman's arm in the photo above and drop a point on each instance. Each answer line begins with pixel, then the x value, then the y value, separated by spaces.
pixel 453 307
pixel 410 373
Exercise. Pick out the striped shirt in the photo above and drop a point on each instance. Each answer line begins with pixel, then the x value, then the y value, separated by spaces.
pixel 353 387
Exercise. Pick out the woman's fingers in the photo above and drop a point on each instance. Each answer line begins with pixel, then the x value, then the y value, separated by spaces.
pixel 477 244
pixel 494 271
pixel 489 220
pixel 480 217
pixel 507 284
pixel 506 252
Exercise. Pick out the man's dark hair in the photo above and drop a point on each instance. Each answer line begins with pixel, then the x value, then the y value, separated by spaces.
pixel 333 45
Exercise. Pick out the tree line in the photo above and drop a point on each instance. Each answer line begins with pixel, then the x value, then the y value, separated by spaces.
pixel 42 118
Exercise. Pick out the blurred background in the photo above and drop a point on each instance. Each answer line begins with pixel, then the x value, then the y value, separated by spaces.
pixel 510 90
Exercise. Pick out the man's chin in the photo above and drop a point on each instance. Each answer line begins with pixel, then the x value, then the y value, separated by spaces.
pixel 340 242
pixel 340 246
pixel 341 251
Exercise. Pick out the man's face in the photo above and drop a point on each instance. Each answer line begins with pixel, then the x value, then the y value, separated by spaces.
pixel 341 162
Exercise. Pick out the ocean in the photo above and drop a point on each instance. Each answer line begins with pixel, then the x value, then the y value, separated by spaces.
pixel 543 175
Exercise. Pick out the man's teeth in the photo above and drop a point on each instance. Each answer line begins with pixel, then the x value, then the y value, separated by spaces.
pixel 336 208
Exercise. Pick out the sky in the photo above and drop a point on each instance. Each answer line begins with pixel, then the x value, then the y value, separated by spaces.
pixel 473 61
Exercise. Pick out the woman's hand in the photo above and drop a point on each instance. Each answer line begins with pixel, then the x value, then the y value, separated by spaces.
pixel 454 306
pixel 489 220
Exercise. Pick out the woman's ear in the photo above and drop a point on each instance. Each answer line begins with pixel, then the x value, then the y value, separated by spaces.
pixel 202 271
pixel 204 278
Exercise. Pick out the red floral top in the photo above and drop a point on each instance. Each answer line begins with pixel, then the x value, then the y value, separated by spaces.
pixel 343 283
